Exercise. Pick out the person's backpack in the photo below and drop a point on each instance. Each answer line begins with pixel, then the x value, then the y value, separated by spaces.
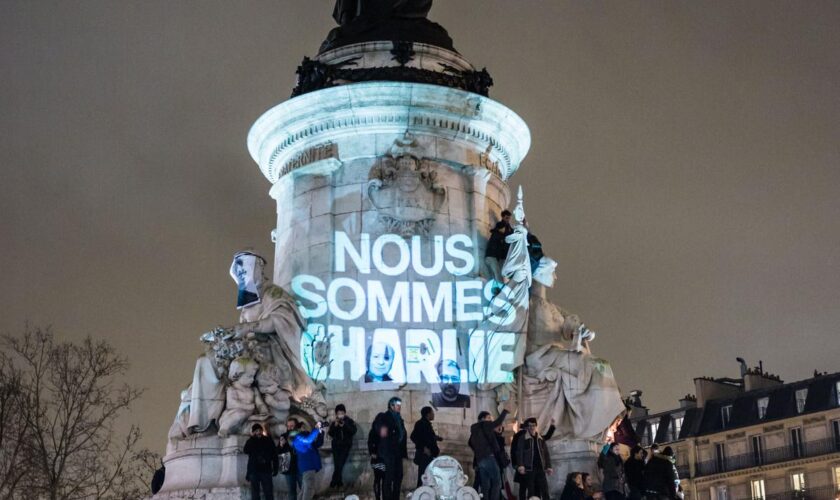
pixel 158 478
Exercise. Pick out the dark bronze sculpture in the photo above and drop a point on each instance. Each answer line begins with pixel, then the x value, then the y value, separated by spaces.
pixel 347 10
pixel 385 20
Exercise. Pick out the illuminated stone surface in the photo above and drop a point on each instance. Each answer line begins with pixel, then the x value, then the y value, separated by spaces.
pixel 386 193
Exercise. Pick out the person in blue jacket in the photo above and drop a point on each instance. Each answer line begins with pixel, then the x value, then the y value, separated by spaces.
pixel 308 459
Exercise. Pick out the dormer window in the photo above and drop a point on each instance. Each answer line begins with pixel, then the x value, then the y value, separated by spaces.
pixel 762 407
pixel 801 397
pixel 725 414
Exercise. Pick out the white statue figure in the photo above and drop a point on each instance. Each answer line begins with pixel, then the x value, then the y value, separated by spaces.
pixel 517 266
pixel 241 397
pixel 269 379
pixel 444 479
pixel 562 379
pixel 269 331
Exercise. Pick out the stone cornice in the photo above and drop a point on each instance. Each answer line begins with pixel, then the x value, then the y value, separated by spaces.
pixel 349 112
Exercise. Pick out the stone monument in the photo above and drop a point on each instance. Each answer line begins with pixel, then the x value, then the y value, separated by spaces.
pixel 389 167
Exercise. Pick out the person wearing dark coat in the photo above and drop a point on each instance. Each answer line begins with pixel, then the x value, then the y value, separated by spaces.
pixel 425 442
pixel 531 460
pixel 376 463
pixel 487 453
pixel 285 446
pixel 573 490
pixel 634 473
pixel 263 463
pixel 341 432
pixel 390 444
pixel 661 476
pixel 613 470
pixel 497 247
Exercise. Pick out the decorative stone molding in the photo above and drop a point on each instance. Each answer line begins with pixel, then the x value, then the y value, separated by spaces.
pixel 404 191
pixel 350 112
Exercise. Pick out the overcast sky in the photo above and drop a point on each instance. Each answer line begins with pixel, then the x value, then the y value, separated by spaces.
pixel 684 172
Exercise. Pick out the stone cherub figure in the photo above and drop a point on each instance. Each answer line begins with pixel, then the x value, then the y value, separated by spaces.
pixel 268 333
pixel 277 403
pixel 242 399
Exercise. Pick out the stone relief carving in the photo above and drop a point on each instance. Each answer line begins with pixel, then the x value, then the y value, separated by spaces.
pixel 444 479
pixel 403 188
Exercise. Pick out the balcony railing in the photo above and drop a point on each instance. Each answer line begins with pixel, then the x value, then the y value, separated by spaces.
pixel 770 456
pixel 821 493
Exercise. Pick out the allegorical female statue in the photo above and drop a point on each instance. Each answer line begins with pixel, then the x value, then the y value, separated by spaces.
pixel 562 379
pixel 269 332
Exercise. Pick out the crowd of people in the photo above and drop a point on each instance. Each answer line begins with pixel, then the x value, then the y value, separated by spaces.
pixel 646 474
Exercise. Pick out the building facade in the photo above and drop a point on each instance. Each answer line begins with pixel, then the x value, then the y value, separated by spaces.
pixel 752 437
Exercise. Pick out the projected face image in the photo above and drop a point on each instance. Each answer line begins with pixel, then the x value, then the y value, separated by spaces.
pixel 380 360
pixel 241 273
pixel 450 387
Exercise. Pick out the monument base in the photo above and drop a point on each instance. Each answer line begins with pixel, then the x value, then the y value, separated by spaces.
pixel 572 455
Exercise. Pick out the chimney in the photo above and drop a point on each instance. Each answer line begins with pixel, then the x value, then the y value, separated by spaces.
pixel 708 389
pixel 757 378
pixel 688 401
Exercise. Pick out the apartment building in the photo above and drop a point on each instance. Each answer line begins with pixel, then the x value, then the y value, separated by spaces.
pixel 753 437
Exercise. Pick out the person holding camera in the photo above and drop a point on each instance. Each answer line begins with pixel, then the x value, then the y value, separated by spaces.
pixel 263 463
pixel 308 460
pixel 341 432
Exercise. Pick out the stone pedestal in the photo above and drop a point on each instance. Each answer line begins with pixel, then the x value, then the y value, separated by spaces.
pixel 572 455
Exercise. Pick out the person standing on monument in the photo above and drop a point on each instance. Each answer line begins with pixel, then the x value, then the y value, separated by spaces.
pixel 486 451
pixel 285 447
pixel 376 463
pixel 390 444
pixel 262 463
pixel 497 247
pixel 308 460
pixel 532 461
pixel 425 442
pixel 341 432
pixel 612 468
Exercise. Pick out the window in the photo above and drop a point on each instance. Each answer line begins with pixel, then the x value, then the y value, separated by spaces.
pixel 801 396
pixel 725 414
pixel 796 442
pixel 762 406
pixel 835 434
pixel 654 428
pixel 720 457
pixel 718 492
pixel 797 481
pixel 676 427
pixel 757 489
pixel 837 392
pixel 836 475
pixel 757 450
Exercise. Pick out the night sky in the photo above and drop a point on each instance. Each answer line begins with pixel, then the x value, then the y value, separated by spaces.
pixel 684 172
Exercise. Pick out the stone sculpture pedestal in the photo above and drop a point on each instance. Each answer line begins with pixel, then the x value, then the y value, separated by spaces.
pixel 571 455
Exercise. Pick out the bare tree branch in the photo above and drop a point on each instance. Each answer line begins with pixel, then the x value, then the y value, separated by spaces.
pixel 59 402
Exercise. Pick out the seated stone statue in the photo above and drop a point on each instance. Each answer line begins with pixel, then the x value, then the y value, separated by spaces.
pixel 562 379
pixel 241 397
pixel 269 334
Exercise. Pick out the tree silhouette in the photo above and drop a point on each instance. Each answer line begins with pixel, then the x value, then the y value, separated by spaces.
pixel 59 403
